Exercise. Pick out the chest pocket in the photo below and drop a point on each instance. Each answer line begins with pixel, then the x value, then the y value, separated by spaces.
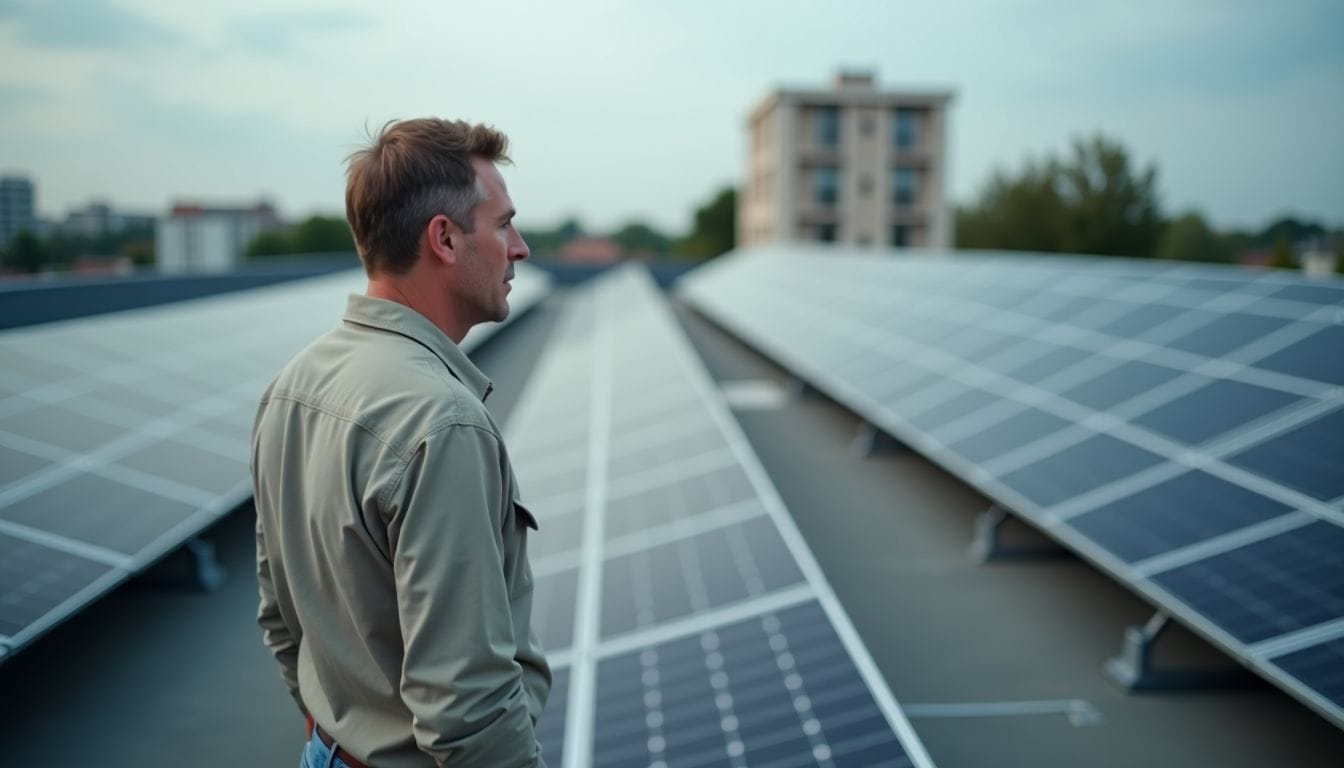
pixel 524 517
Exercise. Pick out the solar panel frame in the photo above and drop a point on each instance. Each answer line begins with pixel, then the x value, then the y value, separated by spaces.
pixel 1182 291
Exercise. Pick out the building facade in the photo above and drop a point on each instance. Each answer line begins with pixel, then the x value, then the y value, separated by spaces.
pixel 16 208
pixel 195 238
pixel 852 164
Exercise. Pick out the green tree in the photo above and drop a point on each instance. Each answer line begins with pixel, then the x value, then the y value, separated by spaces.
pixel 27 253
pixel 315 234
pixel 1017 214
pixel 1283 255
pixel 548 242
pixel 1092 202
pixel 715 229
pixel 1189 238
pixel 638 237
pixel 1110 208
pixel 272 243
pixel 322 234
pixel 140 251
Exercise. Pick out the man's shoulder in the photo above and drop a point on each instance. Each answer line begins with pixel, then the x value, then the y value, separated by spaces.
pixel 386 383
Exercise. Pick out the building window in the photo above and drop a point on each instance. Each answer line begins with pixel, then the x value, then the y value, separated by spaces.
pixel 905 129
pixel 904 189
pixel 826 185
pixel 828 127
pixel 826 233
pixel 900 235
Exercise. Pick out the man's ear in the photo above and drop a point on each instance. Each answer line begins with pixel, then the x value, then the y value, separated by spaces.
pixel 443 239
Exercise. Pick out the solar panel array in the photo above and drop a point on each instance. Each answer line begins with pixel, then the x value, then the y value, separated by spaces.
pixel 1182 426
pixel 123 435
pixel 685 619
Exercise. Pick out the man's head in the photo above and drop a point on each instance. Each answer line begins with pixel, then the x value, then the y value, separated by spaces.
pixel 426 196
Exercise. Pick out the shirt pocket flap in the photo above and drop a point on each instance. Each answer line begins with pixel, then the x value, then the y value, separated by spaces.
pixel 525 516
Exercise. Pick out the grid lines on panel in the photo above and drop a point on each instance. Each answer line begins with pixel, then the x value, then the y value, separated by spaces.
pixel 1102 398
pixel 122 435
pixel 683 543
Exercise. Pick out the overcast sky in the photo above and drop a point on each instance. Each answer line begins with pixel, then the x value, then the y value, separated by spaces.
pixel 624 109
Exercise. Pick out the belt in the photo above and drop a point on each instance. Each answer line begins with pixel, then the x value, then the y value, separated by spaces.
pixel 341 754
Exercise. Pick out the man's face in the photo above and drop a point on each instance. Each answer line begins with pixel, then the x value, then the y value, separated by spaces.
pixel 486 265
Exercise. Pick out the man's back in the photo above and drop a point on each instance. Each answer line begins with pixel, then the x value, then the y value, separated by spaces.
pixel 391 548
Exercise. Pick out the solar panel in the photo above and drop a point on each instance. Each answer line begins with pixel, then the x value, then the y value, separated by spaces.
pixel 123 435
pixel 685 618
pixel 1182 426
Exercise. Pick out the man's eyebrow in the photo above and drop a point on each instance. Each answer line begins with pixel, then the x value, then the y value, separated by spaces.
pixel 508 215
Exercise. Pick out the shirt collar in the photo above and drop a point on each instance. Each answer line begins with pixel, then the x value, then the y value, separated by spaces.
pixel 401 319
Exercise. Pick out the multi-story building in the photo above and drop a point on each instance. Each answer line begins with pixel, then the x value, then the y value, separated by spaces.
pixel 97 219
pixel 194 238
pixel 16 207
pixel 853 164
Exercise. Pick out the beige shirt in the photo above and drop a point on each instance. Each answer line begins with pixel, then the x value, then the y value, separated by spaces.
pixel 392 550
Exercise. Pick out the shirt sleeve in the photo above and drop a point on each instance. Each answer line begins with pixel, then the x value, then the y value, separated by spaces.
pixel 276 633
pixel 460 678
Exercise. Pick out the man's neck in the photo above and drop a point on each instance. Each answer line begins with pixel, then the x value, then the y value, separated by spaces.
pixel 403 290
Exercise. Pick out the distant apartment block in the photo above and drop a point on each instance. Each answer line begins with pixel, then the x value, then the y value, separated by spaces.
pixel 852 164
pixel 16 207
pixel 196 238
pixel 98 219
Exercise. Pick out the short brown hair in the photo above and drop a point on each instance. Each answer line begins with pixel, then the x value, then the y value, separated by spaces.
pixel 412 171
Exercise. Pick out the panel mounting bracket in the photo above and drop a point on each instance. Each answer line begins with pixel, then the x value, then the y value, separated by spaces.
pixel 988 542
pixel 869 440
pixel 192 566
pixel 1135 669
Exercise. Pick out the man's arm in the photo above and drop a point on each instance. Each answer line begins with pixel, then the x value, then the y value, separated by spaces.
pixel 459 678
pixel 283 644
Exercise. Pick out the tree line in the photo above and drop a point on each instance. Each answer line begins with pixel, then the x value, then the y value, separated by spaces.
pixel 1094 201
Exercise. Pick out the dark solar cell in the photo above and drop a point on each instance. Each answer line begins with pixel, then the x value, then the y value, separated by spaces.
pixel 679 498
pixel 188 464
pixel 1143 318
pixel 561 529
pixel 902 381
pixel 664 452
pixel 553 600
pixel 1307 458
pixel 550 730
pixel 687 576
pixel 61 428
pixel 970 342
pixel 1278 585
pixel 1319 667
pixel 1047 365
pixel 1079 468
pixel 1184 510
pixel 1111 388
pixel 15 465
pixel 773 690
pixel 35 580
pixel 1065 312
pixel 1225 333
pixel 968 401
pixel 1312 294
pixel 1320 356
pixel 100 511
pixel 864 365
pixel 1211 410
pixel 1008 435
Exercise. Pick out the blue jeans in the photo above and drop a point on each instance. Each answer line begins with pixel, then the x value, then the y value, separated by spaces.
pixel 316 755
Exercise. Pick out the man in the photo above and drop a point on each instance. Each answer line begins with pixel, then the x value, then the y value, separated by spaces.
pixel 391 547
